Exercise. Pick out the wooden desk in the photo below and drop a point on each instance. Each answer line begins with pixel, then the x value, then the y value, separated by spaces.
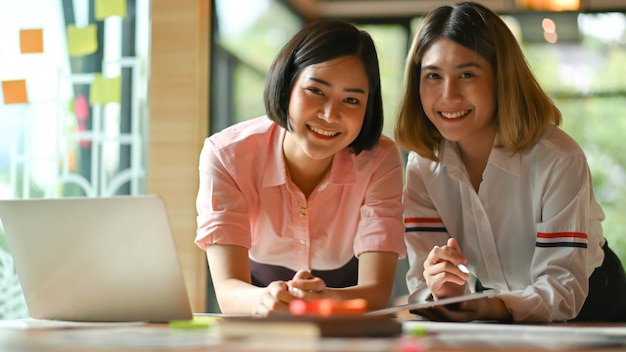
pixel 162 338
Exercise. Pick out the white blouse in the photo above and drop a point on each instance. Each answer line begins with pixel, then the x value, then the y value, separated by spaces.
pixel 533 230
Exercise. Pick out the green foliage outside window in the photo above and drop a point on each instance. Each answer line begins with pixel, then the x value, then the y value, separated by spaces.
pixel 587 82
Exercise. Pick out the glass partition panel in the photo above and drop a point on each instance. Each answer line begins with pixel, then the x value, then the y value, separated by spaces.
pixel 73 107
pixel 585 77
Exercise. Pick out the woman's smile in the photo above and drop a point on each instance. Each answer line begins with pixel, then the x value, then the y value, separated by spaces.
pixel 449 115
pixel 323 132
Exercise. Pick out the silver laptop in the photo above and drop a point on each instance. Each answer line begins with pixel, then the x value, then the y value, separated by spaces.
pixel 96 259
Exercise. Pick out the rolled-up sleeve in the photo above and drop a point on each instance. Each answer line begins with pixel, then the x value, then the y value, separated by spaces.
pixel 222 209
pixel 381 227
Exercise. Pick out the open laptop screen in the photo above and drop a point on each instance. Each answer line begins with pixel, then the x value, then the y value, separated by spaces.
pixel 96 259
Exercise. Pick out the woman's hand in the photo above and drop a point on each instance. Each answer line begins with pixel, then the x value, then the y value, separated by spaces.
pixel 441 272
pixel 306 286
pixel 278 294
pixel 274 299
pixel 491 308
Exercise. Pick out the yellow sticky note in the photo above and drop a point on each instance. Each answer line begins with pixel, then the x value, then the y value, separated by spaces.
pixel 14 92
pixel 31 41
pixel 82 41
pixel 105 90
pixel 198 322
pixel 106 8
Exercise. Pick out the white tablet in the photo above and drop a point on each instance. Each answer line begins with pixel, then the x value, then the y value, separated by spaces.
pixel 432 304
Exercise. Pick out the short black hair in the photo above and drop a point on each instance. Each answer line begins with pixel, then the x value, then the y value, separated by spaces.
pixel 317 42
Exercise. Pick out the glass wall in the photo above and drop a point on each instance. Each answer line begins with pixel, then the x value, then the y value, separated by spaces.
pixel 245 44
pixel 73 107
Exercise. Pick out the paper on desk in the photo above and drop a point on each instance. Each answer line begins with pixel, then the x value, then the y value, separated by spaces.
pixel 127 335
pixel 494 328
pixel 34 324
pixel 555 336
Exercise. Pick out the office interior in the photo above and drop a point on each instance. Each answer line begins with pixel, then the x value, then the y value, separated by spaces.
pixel 111 97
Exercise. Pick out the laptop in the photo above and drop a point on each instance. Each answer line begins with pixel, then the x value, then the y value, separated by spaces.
pixel 109 259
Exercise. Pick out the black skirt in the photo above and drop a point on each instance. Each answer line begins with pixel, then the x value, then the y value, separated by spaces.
pixel 606 301
pixel 345 276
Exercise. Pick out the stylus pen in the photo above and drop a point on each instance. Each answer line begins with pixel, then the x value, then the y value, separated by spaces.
pixel 463 268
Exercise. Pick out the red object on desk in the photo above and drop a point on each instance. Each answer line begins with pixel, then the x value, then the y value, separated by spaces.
pixel 327 307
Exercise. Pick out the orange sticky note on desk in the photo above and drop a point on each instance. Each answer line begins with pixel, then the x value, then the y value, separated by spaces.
pixel 326 307
pixel 14 92
pixel 107 8
pixel 82 41
pixel 31 41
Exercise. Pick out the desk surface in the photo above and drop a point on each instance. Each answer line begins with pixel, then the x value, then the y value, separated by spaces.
pixel 441 338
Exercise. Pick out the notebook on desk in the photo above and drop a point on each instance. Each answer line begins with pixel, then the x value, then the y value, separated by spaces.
pixel 108 259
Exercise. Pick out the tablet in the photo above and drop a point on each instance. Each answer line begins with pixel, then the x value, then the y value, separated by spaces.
pixel 432 304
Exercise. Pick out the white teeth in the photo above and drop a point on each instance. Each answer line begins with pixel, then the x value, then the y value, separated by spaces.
pixel 323 132
pixel 454 115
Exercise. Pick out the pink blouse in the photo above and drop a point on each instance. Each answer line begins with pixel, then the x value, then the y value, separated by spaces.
pixel 245 198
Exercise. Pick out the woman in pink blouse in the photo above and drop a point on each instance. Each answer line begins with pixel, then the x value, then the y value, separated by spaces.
pixel 305 202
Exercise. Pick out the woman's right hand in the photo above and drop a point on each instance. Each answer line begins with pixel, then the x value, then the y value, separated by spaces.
pixel 441 272
pixel 278 294
pixel 274 299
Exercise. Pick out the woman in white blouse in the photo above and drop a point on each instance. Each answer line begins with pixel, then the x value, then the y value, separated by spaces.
pixel 494 184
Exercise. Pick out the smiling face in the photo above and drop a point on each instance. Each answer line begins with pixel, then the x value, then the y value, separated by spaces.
pixel 326 109
pixel 458 95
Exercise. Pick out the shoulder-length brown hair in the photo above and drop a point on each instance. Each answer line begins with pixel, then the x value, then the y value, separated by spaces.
pixel 321 41
pixel 524 111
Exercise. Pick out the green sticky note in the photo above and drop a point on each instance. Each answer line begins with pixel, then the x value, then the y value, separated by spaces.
pixel 105 90
pixel 418 330
pixel 107 8
pixel 82 41
pixel 198 322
